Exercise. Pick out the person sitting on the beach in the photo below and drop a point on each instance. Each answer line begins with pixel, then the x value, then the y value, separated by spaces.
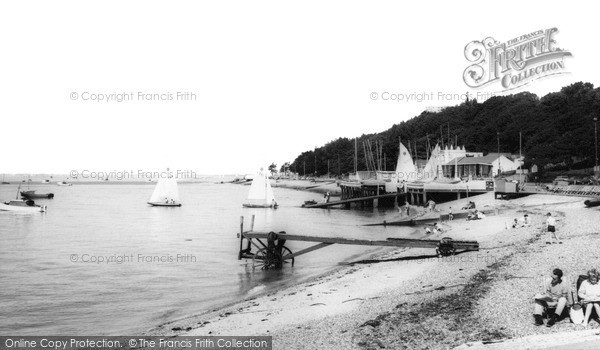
pixel 470 205
pixel 589 292
pixel 476 215
pixel 436 229
pixel 472 215
pixel 427 230
pixel 554 295
pixel 515 223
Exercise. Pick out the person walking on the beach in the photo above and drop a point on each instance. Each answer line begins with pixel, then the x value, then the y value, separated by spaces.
pixel 450 216
pixel 551 226
pixel 589 292
pixel 554 294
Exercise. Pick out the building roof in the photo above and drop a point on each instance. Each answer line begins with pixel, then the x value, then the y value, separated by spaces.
pixel 486 160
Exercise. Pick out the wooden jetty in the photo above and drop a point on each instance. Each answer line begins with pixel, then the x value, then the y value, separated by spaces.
pixel 364 201
pixel 274 253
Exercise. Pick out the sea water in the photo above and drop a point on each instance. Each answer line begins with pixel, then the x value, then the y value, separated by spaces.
pixel 101 261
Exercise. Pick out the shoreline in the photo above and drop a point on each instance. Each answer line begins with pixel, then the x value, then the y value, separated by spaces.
pixel 364 304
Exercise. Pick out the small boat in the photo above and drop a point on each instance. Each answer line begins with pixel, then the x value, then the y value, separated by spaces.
pixel 33 195
pixel 592 203
pixel 64 183
pixel 166 193
pixel 46 181
pixel 27 206
pixel 311 202
pixel 261 193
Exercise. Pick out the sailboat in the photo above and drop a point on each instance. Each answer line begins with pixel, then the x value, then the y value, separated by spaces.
pixel 261 193
pixel 166 193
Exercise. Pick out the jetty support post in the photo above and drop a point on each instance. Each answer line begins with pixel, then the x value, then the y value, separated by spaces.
pixel 241 236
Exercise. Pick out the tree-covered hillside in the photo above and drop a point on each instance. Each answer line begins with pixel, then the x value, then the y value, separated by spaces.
pixel 557 128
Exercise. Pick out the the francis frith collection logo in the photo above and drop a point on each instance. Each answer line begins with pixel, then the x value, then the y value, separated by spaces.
pixel 515 63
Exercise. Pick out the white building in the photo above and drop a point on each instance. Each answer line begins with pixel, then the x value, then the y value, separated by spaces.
pixel 479 167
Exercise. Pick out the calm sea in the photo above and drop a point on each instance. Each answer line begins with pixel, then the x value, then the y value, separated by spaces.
pixel 165 263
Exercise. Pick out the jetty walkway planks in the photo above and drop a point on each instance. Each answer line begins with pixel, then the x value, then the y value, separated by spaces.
pixel 351 200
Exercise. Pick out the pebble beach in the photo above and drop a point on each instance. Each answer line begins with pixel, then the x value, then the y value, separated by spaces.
pixel 412 299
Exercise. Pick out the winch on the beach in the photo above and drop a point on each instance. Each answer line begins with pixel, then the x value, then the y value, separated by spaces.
pixel 274 254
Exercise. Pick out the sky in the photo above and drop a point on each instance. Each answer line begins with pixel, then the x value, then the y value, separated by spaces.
pixel 225 87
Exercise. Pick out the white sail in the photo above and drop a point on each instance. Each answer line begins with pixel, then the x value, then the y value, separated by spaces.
pixel 258 189
pixel 166 191
pixel 261 192
pixel 406 167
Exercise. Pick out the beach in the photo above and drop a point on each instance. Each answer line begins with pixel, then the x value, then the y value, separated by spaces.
pixel 411 299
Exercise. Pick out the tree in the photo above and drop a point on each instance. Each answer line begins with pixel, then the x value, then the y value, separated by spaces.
pixel 273 168
pixel 285 168
pixel 554 129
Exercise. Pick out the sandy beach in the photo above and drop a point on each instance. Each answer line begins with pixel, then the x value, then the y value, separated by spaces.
pixel 411 299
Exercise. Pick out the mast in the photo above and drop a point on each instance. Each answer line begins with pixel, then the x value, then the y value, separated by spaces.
pixel 355 155
pixel 415 151
pixel 520 162
pixel 442 136
pixel 427 149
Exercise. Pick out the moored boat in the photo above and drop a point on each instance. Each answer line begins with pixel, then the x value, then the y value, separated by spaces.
pixel 33 195
pixel 64 183
pixel 22 206
pixel 592 203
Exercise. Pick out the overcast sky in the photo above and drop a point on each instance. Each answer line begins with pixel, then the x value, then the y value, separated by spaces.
pixel 271 79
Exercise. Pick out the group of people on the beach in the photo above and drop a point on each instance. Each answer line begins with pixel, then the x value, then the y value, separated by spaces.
pixel 434 229
pixel 556 295
pixel 524 222
pixel 475 215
